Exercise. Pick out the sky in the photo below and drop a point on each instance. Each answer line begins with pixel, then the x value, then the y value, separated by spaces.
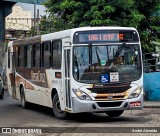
pixel 30 7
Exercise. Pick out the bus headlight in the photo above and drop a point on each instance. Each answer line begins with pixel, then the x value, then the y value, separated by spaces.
pixel 81 95
pixel 135 93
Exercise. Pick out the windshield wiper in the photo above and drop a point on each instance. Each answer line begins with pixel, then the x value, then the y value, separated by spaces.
pixel 98 58
pixel 119 50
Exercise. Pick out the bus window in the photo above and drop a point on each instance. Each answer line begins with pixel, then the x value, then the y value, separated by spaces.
pixel 57 54
pixel 33 56
pixel 27 56
pixel 36 55
pixel 46 54
pixel 8 57
pixel 19 57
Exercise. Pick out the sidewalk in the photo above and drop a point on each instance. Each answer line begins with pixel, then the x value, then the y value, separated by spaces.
pixel 151 104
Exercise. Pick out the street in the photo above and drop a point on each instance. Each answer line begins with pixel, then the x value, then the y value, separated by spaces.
pixel 12 115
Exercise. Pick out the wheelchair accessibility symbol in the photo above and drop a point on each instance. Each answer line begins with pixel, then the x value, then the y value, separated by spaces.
pixel 104 78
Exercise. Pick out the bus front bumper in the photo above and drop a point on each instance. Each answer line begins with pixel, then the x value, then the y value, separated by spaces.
pixel 103 106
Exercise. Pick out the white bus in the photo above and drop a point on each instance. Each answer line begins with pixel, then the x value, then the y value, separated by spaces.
pixel 80 70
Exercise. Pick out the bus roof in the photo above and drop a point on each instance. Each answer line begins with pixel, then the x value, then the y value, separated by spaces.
pixel 25 41
pixel 67 33
pixel 63 34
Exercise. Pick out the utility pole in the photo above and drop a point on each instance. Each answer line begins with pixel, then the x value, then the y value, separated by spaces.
pixel 35 30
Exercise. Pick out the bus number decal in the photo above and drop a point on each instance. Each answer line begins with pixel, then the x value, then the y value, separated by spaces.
pixel 38 77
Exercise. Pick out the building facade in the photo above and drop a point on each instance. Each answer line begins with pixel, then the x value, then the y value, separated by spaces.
pixel 18 23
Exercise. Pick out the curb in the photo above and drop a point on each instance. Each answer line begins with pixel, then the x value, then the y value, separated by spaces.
pixel 151 106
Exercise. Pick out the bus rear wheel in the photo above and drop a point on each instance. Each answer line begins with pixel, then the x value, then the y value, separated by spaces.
pixel 23 99
pixel 114 113
pixel 57 108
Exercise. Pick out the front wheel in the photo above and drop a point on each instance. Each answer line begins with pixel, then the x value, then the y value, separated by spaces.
pixel 114 113
pixel 57 108
pixel 2 94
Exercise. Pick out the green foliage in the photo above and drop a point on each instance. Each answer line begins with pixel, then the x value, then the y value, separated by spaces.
pixel 141 14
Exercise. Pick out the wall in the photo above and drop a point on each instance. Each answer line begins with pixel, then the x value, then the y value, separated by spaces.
pixel 19 19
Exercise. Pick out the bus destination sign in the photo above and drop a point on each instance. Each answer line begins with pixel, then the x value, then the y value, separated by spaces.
pixel 105 36
pixel 101 37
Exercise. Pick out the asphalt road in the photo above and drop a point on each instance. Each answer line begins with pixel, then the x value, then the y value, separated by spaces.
pixel 42 119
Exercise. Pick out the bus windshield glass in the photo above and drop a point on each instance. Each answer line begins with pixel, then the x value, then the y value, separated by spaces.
pixel 106 63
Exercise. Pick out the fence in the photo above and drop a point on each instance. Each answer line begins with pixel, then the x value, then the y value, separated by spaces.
pixel 151 62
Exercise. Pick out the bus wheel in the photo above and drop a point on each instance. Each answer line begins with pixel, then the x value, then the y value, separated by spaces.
pixel 23 99
pixel 2 94
pixel 114 113
pixel 57 108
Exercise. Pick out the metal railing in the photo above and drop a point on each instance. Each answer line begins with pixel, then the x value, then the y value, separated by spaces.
pixel 151 62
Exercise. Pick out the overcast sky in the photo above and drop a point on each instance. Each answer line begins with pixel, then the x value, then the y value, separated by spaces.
pixel 31 8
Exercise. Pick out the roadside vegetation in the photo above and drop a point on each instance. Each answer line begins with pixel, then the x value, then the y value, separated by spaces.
pixel 141 14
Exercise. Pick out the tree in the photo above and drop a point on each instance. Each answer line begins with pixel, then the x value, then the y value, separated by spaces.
pixel 141 14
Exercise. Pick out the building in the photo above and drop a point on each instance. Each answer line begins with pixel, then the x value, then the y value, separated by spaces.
pixel 19 23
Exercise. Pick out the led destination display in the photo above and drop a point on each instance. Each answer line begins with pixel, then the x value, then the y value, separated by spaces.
pixel 105 36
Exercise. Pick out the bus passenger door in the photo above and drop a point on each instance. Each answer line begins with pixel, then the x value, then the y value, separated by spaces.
pixel 67 78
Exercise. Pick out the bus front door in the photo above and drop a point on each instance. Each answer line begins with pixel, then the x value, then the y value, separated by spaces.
pixel 67 78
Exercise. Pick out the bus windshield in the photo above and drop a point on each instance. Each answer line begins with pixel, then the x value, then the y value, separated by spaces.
pixel 113 63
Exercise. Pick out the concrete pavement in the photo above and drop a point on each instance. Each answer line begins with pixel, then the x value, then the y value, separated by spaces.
pixel 151 104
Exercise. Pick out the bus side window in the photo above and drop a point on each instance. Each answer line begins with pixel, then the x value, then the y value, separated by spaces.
pixel 21 57
pixel 57 54
pixel 27 56
pixel 46 54
pixel 37 56
pixel 8 57
pixel 17 56
pixel 33 56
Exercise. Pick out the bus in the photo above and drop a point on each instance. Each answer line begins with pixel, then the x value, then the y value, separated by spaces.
pixel 80 70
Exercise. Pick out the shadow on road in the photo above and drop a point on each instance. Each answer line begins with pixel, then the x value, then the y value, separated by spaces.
pixel 87 117
pixel 83 117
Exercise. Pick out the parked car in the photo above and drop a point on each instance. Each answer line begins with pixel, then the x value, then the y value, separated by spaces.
pixel 1 89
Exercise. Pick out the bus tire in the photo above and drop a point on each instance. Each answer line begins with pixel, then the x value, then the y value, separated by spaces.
pixel 2 94
pixel 114 113
pixel 57 109
pixel 23 99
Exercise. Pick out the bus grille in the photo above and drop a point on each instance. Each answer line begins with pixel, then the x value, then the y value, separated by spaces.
pixel 108 90
pixel 109 104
